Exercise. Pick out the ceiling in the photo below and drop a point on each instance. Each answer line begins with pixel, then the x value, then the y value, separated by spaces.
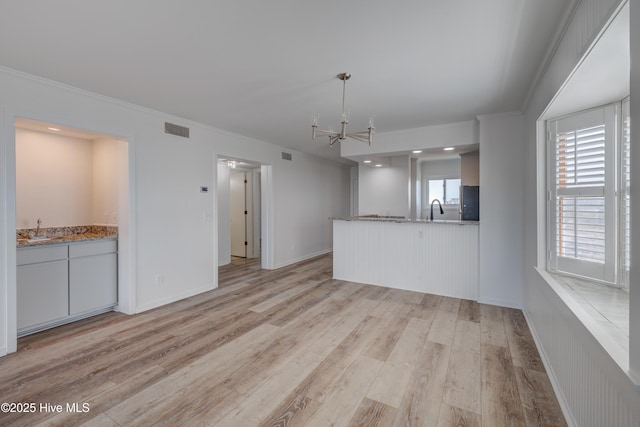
pixel 264 69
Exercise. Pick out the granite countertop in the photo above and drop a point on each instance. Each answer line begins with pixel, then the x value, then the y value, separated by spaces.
pixel 58 235
pixel 405 220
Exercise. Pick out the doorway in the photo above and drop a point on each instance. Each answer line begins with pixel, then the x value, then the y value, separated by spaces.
pixel 239 210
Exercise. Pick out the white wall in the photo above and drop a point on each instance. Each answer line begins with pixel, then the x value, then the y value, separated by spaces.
pixel 445 168
pixel 174 242
pixel 384 191
pixel 106 172
pixel 54 180
pixel 66 181
pixel 501 209
pixel 447 135
pixel 591 387
pixel 308 193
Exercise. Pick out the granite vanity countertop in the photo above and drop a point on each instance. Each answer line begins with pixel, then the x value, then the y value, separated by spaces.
pixel 59 235
pixel 405 220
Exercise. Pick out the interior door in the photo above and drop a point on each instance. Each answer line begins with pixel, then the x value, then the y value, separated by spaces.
pixel 238 207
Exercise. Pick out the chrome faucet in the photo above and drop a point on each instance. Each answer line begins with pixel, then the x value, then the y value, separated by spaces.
pixel 439 204
pixel 38 227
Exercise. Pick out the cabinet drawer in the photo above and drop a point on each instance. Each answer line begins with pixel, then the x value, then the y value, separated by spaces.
pixel 92 248
pixel 44 254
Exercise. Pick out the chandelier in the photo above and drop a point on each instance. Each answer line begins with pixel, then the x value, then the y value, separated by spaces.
pixel 364 136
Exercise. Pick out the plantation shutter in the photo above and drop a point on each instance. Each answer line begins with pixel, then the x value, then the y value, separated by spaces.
pixel 582 191
pixel 625 192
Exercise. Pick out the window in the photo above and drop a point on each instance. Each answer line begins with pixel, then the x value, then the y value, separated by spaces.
pixel 588 216
pixel 445 190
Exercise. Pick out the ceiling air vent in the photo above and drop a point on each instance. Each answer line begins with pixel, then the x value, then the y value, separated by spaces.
pixel 177 130
pixel 286 156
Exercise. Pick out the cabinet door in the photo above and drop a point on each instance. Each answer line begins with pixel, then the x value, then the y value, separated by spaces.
pixel 43 292
pixel 93 283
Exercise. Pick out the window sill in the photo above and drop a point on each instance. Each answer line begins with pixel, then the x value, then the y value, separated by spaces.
pixel 610 337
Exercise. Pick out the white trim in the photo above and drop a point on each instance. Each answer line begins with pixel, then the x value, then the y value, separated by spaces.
pixel 555 384
pixel 174 298
pixel 500 302
pixel 617 353
pixel 550 53
pixel 267 203
pixel 7 140
pixel 611 18
pixel 541 192
pixel 302 258
pixel 126 236
pixel 505 114
pixel 214 210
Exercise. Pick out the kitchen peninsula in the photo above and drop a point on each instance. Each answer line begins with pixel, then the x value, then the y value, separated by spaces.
pixel 438 257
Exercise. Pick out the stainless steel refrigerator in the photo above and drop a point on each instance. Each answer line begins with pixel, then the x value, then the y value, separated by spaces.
pixel 470 203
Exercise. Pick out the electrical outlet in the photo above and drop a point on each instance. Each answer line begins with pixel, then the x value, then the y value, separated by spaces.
pixel 159 279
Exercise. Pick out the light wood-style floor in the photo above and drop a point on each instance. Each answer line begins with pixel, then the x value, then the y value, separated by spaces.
pixel 288 347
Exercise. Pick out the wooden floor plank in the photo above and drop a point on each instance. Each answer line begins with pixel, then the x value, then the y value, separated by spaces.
pixel 501 403
pixel 287 414
pixel 492 330
pixel 450 416
pixel 290 347
pixel 350 387
pixel 444 322
pixel 538 401
pixel 371 414
pixel 462 386
pixel 391 378
pixel 523 349
pixel 421 400
pixel 469 311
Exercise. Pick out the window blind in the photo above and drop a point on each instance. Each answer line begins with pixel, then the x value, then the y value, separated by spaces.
pixel 625 190
pixel 580 204
pixel 582 193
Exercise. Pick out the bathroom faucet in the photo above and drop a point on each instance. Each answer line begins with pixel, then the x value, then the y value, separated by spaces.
pixel 439 204
pixel 38 227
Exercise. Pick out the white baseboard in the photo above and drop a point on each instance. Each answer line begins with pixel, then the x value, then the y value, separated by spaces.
pixel 501 303
pixel 173 298
pixel 562 401
pixel 302 258
pixel 3 351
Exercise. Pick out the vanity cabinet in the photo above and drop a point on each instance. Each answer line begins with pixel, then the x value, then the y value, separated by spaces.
pixel 58 284
pixel 93 276
pixel 43 281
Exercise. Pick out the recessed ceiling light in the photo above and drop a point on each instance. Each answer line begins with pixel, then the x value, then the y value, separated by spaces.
pixel 417 151
pixel 378 165
pixel 54 129
pixel 367 161
pixel 448 149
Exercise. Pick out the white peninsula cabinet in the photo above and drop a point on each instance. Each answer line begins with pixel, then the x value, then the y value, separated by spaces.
pixel 62 283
